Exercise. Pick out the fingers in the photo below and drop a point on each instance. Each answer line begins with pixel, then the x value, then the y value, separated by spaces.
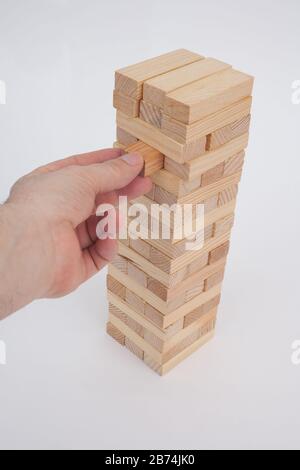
pixel 97 256
pixel 87 230
pixel 85 159
pixel 111 175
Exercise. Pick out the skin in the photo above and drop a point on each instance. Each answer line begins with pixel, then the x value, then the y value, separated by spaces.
pixel 48 242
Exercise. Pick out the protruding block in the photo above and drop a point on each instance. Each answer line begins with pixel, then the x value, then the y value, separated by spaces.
pixel 154 160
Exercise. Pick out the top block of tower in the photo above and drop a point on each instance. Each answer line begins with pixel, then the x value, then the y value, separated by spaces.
pixel 173 102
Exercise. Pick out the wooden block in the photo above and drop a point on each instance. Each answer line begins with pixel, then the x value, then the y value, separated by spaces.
pixel 132 347
pixel 158 289
pixel 135 302
pixel 129 80
pixel 135 326
pixel 141 247
pixel 199 263
pixel 156 342
pixel 115 333
pixel 227 195
pixel 182 133
pixel 171 313
pixel 213 175
pixel 181 346
pixel 199 312
pixel 154 160
pixel 214 280
pixel 156 89
pixel 224 225
pixel 219 253
pixel 194 291
pixel 121 264
pixel 113 310
pixel 154 138
pixel 154 315
pixel 116 287
pixel 137 275
pixel 153 364
pixel 228 133
pixel 124 138
pixel 173 184
pixel 195 169
pixel 161 196
pixel 126 104
pixel 210 95
pixel 234 164
pixel 166 368
pixel 142 320
pixel 151 114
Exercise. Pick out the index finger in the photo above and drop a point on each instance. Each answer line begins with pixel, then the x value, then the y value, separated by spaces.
pixel 84 159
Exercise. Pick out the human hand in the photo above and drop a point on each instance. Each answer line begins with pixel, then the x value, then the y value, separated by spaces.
pixel 49 224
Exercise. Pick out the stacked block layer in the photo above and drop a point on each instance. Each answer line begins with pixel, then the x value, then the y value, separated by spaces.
pixel 189 116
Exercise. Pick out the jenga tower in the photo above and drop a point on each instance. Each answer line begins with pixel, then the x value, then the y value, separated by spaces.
pixel 189 117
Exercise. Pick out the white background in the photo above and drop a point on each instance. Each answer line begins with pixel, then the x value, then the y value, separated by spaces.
pixel 66 385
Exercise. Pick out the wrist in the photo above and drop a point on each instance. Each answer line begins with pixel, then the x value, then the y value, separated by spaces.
pixel 21 256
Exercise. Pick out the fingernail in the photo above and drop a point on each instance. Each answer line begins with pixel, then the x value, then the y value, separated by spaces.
pixel 132 159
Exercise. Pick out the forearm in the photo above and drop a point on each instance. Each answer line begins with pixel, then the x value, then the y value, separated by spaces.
pixel 21 249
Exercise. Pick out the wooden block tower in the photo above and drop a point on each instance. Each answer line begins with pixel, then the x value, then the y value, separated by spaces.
pixel 189 117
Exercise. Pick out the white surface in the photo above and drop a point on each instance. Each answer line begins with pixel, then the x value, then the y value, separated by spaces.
pixel 65 384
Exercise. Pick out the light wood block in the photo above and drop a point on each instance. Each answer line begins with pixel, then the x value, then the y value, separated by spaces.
pixel 154 160
pixel 205 97
pixel 166 145
pixel 115 333
pixel 116 287
pixel 127 105
pixel 132 347
pixel 156 89
pixel 151 114
pixel 182 133
pixel 228 133
pixel 234 164
pixel 129 80
pixel 219 253
pixel 124 138
pixel 228 195
pixel 195 169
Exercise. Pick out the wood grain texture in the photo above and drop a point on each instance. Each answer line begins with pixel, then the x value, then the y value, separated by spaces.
pixel 116 287
pixel 132 347
pixel 124 138
pixel 166 145
pixel 199 312
pixel 151 114
pixel 195 169
pixel 210 95
pixel 154 160
pixel 129 80
pixel 182 133
pixel 115 333
pixel 127 105
pixel 226 134
pixel 156 89
pixel 227 195
pixel 218 253
pixel 234 164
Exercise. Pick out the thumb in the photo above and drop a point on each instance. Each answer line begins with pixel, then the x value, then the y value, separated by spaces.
pixel 114 174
